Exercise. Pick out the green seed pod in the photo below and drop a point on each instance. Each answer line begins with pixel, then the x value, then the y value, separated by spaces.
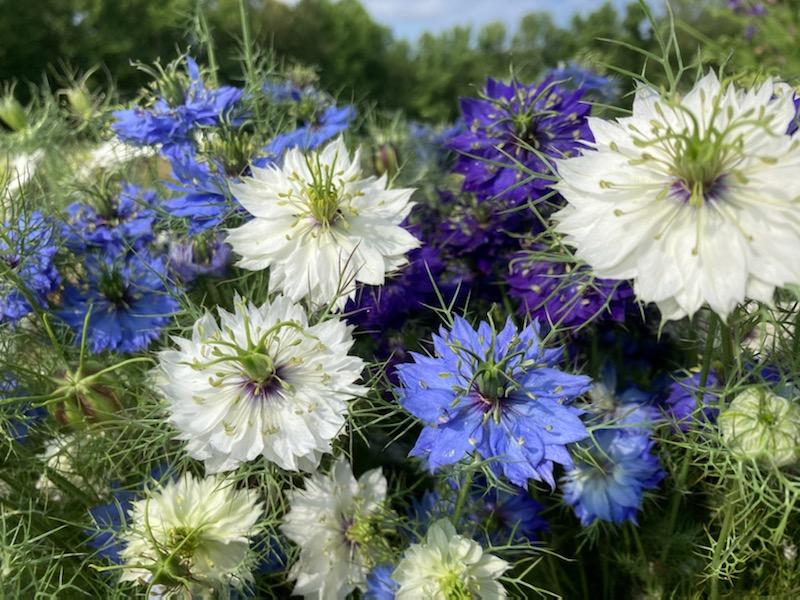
pixel 85 399
pixel 12 113
pixel 763 426
pixel 80 101
pixel 386 159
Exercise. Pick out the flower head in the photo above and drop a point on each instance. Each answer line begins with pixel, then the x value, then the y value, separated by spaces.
pixel 447 565
pixel 116 224
pixel 261 381
pixel 690 198
pixel 682 402
pixel 201 256
pixel 129 298
pixel 203 197
pixel 320 227
pixel 512 135
pixel 380 585
pixel 333 520
pixel 27 253
pixel 758 424
pixel 610 486
pixel 498 394
pixel 564 295
pixel 196 530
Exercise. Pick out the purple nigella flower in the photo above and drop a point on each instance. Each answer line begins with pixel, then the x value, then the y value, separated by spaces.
pixel 201 257
pixel 171 124
pixel 509 131
pixel 378 308
pixel 380 585
pixel 611 486
pixel 129 298
pixel 27 253
pixel 124 222
pixel 566 296
pixel 681 402
pixel 203 197
pixel 498 395
pixel 327 125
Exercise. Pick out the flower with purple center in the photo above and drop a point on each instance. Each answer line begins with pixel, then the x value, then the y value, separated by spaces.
pixel 203 256
pixel 123 222
pixel 311 135
pixel 129 298
pixel 27 268
pixel 512 134
pixel 610 485
pixel 170 122
pixel 497 395
pixel 203 198
pixel 682 404
pixel 565 295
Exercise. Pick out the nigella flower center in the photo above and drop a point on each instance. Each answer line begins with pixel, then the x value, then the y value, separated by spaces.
pixel 114 289
pixel 263 379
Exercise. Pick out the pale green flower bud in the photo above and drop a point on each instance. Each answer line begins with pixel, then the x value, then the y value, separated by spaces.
pixel 80 101
pixel 12 113
pixel 763 426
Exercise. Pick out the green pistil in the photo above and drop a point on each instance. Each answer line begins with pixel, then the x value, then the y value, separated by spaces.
pixel 324 197
pixel 454 587
pixel 258 365
pixel 113 287
pixel 183 542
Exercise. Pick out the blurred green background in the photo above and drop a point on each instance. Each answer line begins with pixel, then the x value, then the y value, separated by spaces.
pixel 356 57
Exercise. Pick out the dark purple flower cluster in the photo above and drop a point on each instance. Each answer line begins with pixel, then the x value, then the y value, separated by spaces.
pixel 566 296
pixel 512 135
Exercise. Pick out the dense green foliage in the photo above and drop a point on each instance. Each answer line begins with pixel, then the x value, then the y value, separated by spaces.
pixel 354 56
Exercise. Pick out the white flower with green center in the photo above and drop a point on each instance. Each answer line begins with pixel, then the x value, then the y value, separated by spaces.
pixel 760 425
pixel 320 226
pixel 192 533
pixel 335 520
pixel 261 382
pixel 448 566
pixel 693 199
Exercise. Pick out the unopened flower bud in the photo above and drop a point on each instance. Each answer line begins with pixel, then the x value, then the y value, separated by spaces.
pixel 12 113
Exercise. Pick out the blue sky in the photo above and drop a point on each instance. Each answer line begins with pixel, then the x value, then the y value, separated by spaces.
pixel 409 18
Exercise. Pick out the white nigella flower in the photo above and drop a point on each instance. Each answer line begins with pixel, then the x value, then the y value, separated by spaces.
pixel 58 457
pixel 758 424
pixel 447 565
pixel 332 520
pixel 17 171
pixel 320 226
pixel 695 200
pixel 195 530
pixel 261 382
pixel 112 154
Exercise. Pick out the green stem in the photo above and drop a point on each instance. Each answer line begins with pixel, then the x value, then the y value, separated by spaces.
pixel 728 356
pixel 727 524
pixel 462 497
pixel 708 350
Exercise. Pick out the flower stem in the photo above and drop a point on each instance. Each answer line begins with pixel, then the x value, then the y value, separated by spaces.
pixel 727 525
pixel 462 497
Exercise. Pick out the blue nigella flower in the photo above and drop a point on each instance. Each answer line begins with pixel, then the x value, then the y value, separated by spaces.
pixel 573 76
pixel 18 420
pixel 27 255
pixel 498 395
pixel 682 403
pixel 512 134
pixel 611 487
pixel 171 124
pixel 506 517
pixel 202 192
pixel 380 585
pixel 125 222
pixel 311 135
pixel 108 520
pixel 202 256
pixel 130 301
pixel 630 408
